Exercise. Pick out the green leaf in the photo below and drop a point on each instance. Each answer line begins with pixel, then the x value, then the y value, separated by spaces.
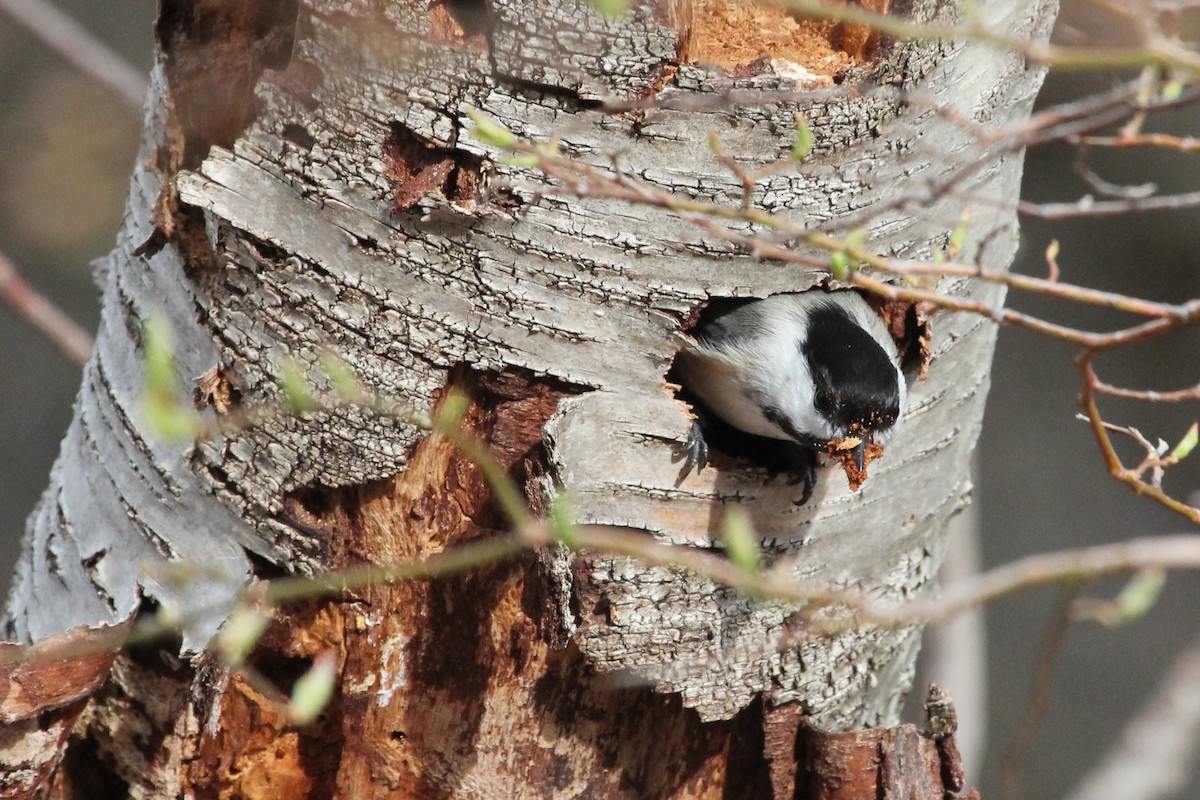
pixel 313 689
pixel 741 543
pixel 521 160
pixel 489 131
pixel 611 9
pixel 1052 250
pixel 562 520
pixel 169 419
pixel 161 374
pixel 297 390
pixel 341 376
pixel 959 234
pixel 714 144
pixel 839 265
pixel 166 414
pixel 1172 91
pixel 804 139
pixel 241 633
pixel 1187 444
pixel 168 615
pixel 451 410
pixel 1141 593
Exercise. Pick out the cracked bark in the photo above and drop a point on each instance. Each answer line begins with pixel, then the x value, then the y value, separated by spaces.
pixel 306 185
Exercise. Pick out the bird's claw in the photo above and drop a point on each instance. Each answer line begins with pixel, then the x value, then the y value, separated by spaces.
pixel 799 461
pixel 803 466
pixel 694 452
pixel 809 479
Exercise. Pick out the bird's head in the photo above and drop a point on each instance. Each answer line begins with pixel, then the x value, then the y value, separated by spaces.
pixel 858 389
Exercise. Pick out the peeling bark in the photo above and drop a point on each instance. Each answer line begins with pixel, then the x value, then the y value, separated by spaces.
pixel 307 185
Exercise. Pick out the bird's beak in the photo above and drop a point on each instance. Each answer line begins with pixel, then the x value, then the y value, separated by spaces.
pixel 859 453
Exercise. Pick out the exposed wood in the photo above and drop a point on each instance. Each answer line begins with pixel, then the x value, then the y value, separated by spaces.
pixel 40 699
pixel 894 763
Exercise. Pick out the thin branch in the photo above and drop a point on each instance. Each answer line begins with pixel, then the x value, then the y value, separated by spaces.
pixel 1089 563
pixel 475 554
pixel 1184 144
pixel 1041 694
pixel 1049 287
pixel 1179 395
pixel 1067 566
pixel 78 46
pixel 1172 552
pixel 1116 468
pixel 36 309
pixel 861 608
pixel 485 552
pixel 1090 207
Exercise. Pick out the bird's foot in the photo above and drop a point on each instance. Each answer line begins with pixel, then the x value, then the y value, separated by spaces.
pixel 694 452
pixel 777 456
pixel 796 460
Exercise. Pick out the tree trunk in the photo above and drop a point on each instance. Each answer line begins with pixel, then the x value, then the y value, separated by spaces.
pixel 307 184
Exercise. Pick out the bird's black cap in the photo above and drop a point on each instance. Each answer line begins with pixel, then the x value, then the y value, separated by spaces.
pixel 856 382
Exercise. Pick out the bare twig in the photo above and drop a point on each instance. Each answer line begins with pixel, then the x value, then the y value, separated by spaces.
pixel 1184 144
pixel 284 590
pixel 1089 207
pixel 1074 567
pixel 77 45
pixel 1131 477
pixel 33 307
pixel 1068 566
pixel 1176 396
pixel 1041 694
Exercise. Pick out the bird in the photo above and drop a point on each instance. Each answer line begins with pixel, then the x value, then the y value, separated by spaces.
pixel 776 380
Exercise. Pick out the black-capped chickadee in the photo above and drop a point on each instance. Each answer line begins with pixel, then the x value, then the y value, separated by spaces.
pixel 776 379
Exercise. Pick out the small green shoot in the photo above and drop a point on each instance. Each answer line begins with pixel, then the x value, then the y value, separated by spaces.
pixel 959 235
pixel 521 160
pixel 839 265
pixel 1186 445
pixel 341 377
pixel 241 633
pixel 611 9
pixel 1171 91
pixel 842 265
pixel 804 139
pixel 489 131
pixel 714 144
pixel 450 411
pixel 297 389
pixel 1140 594
pixel 562 520
pixel 313 690
pixel 160 355
pixel 168 616
pixel 741 543
pixel 163 409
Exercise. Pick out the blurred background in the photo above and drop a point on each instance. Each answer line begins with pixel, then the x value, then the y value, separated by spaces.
pixel 67 146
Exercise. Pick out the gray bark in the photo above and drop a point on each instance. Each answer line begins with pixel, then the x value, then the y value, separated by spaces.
pixel 302 251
